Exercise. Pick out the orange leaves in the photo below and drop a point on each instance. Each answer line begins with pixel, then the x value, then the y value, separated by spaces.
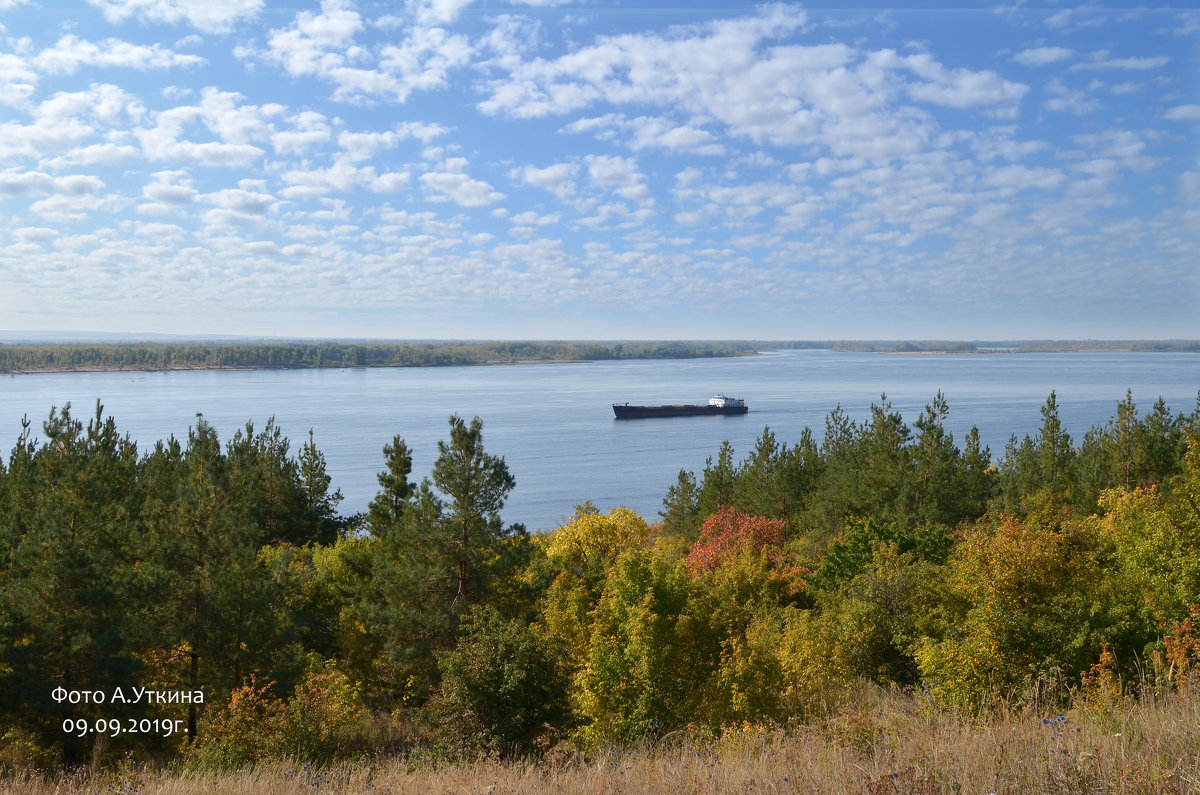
pixel 1183 650
pixel 728 533
pixel 1016 563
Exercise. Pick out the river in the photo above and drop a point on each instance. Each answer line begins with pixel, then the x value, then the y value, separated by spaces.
pixel 554 424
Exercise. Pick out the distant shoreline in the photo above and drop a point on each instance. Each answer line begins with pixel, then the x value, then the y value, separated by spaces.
pixel 148 357
pixel 30 359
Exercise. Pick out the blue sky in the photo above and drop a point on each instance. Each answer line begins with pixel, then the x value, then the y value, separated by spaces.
pixel 534 169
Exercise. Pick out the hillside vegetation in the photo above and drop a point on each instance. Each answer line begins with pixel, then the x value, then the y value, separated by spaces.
pixel 871 602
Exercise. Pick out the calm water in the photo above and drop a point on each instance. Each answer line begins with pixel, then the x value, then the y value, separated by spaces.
pixel 554 425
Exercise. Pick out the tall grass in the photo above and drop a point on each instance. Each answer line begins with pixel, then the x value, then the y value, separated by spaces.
pixel 877 742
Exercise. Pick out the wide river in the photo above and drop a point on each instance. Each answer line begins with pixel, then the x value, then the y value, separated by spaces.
pixel 554 425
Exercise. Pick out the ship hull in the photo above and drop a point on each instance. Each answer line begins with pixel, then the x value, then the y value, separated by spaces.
pixel 627 412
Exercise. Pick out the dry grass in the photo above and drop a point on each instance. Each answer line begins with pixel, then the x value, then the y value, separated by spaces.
pixel 880 743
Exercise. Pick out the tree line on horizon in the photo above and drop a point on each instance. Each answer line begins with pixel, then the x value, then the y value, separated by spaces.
pixel 135 356
pixel 25 358
pixel 882 552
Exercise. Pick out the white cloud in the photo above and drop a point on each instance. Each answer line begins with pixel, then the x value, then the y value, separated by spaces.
pixel 1040 56
pixel 237 125
pixel 241 201
pixel 1073 19
pixel 422 131
pixel 210 17
pixel 71 53
pixel 424 60
pixel 1002 142
pixel 1009 180
pixel 1069 100
pixel 14 182
pixel 170 187
pixel 531 218
pixel 619 174
pixel 44 136
pixel 438 12
pixel 1100 60
pixel 391 182
pixel 324 45
pixel 364 146
pixel 784 95
pixel 1183 113
pixel 342 176
pixel 315 42
pixel 1126 88
pixel 453 185
pixel 65 208
pixel 557 178
pixel 97 154
pixel 646 132
pixel 962 88
pixel 107 103
pixel 35 234
pixel 1123 146
pixel 309 128
pixel 18 80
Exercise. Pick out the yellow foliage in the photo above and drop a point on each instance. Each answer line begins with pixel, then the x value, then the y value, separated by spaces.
pixel 812 662
pixel 591 535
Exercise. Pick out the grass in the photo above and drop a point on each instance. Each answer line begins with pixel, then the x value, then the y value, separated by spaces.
pixel 878 742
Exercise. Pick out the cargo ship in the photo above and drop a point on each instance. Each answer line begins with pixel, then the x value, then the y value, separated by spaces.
pixel 718 404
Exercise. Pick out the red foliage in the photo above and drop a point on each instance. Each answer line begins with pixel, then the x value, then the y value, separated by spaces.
pixel 727 533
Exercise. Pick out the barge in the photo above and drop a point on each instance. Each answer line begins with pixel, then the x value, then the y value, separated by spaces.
pixel 718 404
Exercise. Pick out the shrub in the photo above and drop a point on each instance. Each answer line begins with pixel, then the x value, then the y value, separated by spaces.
pixel 322 721
pixel 503 690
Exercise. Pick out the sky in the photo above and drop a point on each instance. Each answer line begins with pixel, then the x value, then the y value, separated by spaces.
pixel 531 169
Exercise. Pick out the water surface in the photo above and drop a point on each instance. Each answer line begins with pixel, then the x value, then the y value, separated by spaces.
pixel 554 425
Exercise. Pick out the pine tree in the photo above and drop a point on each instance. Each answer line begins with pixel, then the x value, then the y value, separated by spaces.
pixel 65 614
pixel 476 485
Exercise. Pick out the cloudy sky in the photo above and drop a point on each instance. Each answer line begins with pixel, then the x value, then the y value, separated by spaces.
pixel 534 169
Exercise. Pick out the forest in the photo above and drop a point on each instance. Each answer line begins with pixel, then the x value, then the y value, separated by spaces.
pixel 212 355
pixel 209 355
pixel 203 605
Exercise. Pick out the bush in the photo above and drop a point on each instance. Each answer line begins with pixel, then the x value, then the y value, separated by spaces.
pixel 324 720
pixel 503 690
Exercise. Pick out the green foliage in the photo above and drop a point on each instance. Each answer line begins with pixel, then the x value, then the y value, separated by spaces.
pixel 774 583
pixel 855 547
pixel 1029 589
pixel 69 586
pixel 211 355
pixel 646 653
pixel 475 485
pixel 504 690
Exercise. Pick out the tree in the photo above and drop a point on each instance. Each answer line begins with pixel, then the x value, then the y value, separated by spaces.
pixel 394 583
pixel 475 485
pixel 388 506
pixel 67 533
pixel 727 533
pixel 213 606
pixel 320 505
